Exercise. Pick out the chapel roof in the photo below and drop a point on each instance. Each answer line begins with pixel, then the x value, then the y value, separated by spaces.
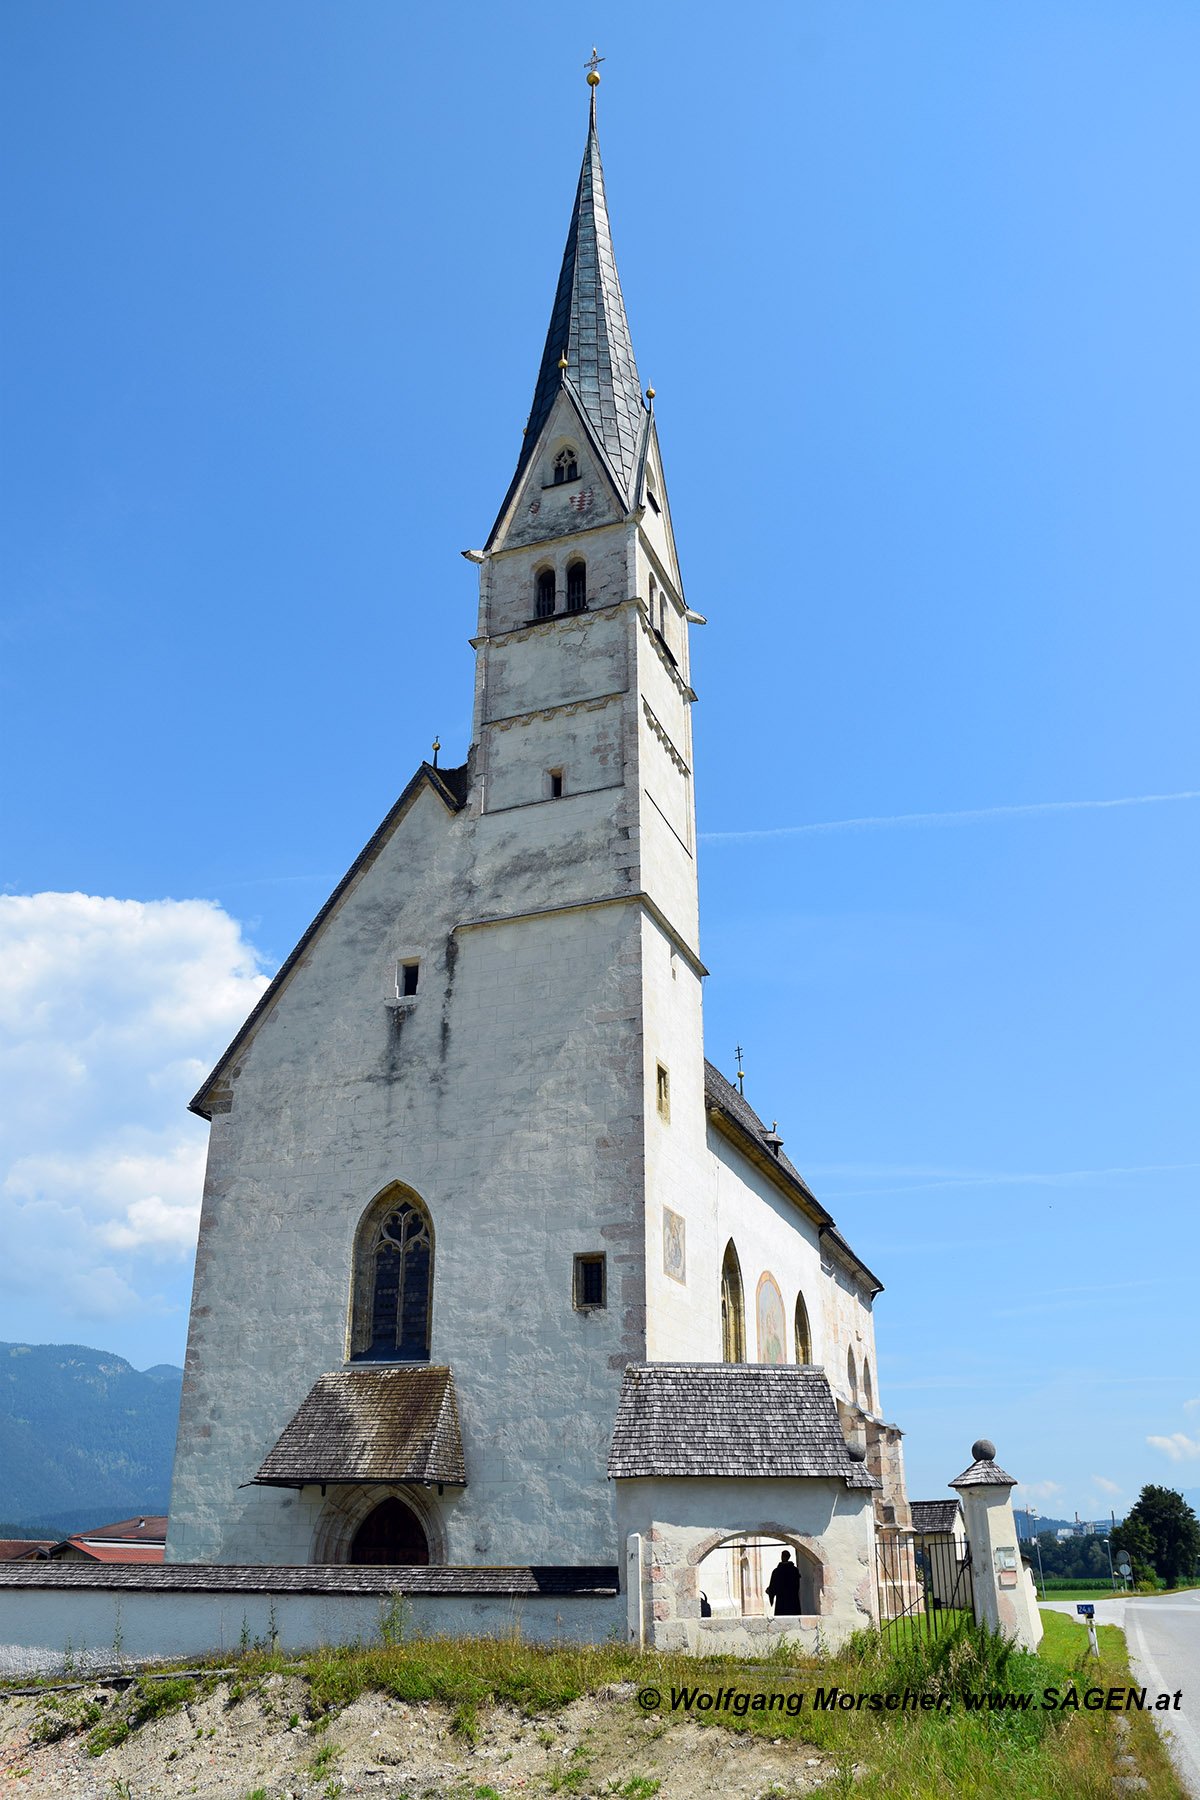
pixel 371 1423
pixel 733 1114
pixel 736 1420
pixel 935 1515
pixel 588 326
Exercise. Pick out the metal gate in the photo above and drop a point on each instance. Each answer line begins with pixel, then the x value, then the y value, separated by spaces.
pixel 924 1585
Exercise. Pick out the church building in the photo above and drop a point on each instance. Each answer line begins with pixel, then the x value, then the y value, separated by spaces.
pixel 495 1271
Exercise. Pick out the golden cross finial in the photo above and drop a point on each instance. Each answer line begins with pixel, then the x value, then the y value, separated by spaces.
pixel 592 65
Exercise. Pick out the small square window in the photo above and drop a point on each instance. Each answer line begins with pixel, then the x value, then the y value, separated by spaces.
pixel 406 979
pixel 556 784
pixel 591 1282
pixel 663 1087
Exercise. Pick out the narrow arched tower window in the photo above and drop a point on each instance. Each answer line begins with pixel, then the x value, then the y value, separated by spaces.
pixel 566 466
pixel 852 1376
pixel 576 587
pixel 545 594
pixel 868 1391
pixel 803 1332
pixel 393 1282
pixel 733 1311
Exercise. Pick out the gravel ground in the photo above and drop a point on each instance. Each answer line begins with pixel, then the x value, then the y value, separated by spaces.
pixel 262 1744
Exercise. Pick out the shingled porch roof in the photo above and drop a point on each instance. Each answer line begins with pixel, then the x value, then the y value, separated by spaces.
pixel 745 1421
pixel 393 1425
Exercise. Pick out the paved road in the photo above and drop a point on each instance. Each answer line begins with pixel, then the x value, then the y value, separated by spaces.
pixel 1164 1647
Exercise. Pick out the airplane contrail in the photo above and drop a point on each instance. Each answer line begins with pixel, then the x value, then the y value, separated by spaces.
pixel 971 816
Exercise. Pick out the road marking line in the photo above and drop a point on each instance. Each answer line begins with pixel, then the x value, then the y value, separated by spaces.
pixel 1189 1741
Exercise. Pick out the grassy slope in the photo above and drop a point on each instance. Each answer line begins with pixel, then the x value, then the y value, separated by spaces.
pixel 946 1754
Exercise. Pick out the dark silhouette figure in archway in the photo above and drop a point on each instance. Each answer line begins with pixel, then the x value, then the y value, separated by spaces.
pixel 784 1586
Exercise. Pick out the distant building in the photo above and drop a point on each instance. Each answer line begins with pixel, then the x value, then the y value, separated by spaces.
pixel 140 1540
pixel 23 1549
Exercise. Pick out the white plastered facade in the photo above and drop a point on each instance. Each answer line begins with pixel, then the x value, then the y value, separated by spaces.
pixel 519 1094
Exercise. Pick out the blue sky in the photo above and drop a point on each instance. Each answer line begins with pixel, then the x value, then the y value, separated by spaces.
pixel 917 288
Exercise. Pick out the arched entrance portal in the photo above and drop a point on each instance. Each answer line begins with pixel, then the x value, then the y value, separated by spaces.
pixel 392 1533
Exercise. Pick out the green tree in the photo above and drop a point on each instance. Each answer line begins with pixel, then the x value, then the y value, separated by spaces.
pixel 1161 1532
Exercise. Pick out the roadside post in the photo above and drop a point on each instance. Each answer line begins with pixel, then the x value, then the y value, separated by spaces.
pixel 1089 1613
pixel 1107 1542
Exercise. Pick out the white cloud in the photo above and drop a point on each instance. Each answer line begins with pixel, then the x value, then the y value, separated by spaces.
pixel 1192 1405
pixel 1105 1485
pixel 1039 1490
pixel 970 816
pixel 1179 1447
pixel 111 1012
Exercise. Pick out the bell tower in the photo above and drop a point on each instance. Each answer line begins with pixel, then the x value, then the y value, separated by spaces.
pixel 582 698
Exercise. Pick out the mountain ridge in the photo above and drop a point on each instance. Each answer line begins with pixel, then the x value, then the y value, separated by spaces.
pixel 84 1436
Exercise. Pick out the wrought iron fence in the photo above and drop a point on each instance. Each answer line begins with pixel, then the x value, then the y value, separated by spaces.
pixel 924 1584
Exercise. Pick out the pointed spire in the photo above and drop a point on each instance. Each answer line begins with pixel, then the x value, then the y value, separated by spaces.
pixel 589 329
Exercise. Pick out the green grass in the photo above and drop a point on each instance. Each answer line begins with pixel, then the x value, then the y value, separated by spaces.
pixel 944 1754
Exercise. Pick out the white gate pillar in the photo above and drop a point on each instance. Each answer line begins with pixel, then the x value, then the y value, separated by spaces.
pixel 634 1601
pixel 1003 1598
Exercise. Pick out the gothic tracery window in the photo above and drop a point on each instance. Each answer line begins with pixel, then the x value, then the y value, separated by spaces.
pixel 393 1283
pixel 566 466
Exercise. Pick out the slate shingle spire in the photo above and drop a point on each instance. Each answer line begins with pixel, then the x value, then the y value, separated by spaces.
pixel 588 326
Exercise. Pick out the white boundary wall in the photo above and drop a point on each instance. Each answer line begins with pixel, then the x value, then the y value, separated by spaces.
pixel 43 1631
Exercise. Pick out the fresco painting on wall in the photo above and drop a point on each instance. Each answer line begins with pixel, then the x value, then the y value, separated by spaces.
pixel 674 1254
pixel 772 1343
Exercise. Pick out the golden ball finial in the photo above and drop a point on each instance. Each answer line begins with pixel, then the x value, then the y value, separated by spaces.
pixel 593 78
pixel 649 393
pixel 562 361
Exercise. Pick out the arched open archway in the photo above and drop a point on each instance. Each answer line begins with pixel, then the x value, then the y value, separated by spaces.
pixel 734 1574
pixel 390 1533
pixel 392 1301
pixel 733 1310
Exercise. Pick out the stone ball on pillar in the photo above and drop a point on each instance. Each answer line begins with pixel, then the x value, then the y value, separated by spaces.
pixel 983 1450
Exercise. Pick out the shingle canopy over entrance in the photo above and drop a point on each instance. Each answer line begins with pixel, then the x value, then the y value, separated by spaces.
pixel 740 1420
pixel 375 1424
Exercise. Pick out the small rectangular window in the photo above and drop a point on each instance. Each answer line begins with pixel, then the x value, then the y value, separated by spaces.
pixel 664 1094
pixel 591 1283
pixel 556 784
pixel 408 973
